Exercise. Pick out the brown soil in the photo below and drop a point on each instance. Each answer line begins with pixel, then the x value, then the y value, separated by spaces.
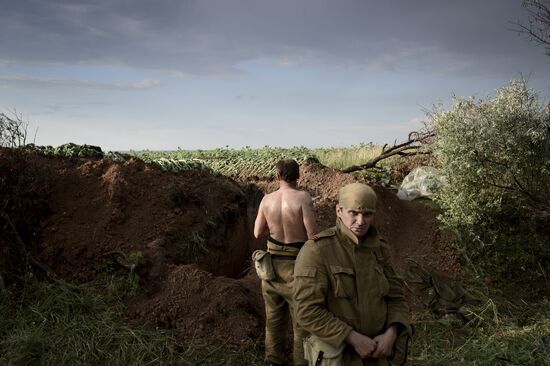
pixel 194 232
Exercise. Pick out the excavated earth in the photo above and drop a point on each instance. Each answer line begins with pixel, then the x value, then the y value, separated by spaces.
pixel 189 236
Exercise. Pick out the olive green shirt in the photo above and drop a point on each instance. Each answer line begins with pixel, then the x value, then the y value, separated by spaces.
pixel 342 283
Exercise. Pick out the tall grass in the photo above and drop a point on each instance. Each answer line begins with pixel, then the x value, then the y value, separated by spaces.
pixel 500 332
pixel 447 342
pixel 344 157
pixel 54 324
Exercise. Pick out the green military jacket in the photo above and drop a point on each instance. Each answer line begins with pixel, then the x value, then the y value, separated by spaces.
pixel 342 284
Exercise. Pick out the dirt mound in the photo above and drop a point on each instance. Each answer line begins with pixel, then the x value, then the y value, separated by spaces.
pixel 101 215
pixel 410 227
pixel 100 207
pixel 200 304
pixel 193 233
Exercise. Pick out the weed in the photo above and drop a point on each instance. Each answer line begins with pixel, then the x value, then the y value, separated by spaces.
pixel 195 244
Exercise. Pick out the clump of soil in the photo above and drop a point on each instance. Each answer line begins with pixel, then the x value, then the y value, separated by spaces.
pixel 197 303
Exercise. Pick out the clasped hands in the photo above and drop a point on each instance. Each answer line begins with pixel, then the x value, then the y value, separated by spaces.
pixel 377 347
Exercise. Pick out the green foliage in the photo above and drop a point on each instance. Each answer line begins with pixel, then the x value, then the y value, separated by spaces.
pixel 179 165
pixel 52 324
pixel 55 324
pixel 344 157
pixel 496 156
pixel 70 150
pixel 448 342
pixel 241 163
pixel 195 244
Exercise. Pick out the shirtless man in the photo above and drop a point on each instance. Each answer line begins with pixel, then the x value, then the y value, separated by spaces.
pixel 286 218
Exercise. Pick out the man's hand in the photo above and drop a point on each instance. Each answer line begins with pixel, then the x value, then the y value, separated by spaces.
pixel 362 344
pixel 385 342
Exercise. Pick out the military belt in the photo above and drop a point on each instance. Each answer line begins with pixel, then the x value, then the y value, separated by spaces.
pixel 283 250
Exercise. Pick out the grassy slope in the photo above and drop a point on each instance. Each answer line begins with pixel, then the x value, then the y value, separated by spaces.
pixel 56 324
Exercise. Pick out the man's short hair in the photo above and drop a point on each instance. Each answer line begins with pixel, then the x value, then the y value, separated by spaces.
pixel 288 170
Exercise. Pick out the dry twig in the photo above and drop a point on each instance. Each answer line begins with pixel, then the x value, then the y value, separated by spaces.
pixel 413 146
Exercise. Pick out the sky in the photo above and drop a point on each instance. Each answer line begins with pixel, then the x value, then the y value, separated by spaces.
pixel 202 74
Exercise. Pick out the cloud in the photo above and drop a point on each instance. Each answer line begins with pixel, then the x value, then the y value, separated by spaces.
pixel 213 37
pixel 37 81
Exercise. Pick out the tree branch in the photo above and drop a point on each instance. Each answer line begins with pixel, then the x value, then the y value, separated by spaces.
pixel 408 148
pixel 538 27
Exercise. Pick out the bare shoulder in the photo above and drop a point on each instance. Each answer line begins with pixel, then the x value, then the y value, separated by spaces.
pixel 305 196
pixel 270 196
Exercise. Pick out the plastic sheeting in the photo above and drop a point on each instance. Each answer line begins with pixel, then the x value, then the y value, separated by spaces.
pixel 422 181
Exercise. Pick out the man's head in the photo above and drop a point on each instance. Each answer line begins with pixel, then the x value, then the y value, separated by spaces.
pixel 288 170
pixel 356 207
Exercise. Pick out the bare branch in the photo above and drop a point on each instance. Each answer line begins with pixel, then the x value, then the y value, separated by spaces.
pixel 538 27
pixel 13 130
pixel 412 146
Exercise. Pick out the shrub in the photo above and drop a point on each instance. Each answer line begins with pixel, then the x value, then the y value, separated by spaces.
pixel 13 130
pixel 496 155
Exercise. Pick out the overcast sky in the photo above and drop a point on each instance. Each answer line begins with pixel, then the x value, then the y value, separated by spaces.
pixel 158 75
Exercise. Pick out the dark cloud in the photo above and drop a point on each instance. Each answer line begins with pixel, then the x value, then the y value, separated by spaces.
pixel 214 36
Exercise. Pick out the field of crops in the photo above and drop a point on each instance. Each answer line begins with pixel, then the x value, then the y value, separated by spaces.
pixel 236 163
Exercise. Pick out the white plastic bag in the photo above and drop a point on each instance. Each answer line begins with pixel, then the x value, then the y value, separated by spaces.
pixel 422 181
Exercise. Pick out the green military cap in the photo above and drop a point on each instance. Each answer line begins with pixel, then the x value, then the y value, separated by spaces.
pixel 357 196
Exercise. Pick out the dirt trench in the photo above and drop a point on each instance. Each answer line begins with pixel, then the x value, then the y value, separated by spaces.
pixel 190 236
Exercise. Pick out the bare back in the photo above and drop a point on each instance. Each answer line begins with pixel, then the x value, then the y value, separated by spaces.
pixel 286 215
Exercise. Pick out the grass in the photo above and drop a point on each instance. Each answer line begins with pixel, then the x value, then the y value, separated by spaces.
pixel 344 157
pixel 448 342
pixel 55 324
pixel 501 332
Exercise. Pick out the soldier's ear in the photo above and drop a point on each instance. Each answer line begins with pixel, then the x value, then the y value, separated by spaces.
pixel 338 210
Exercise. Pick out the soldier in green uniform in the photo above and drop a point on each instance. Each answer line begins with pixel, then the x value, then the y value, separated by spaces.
pixel 346 292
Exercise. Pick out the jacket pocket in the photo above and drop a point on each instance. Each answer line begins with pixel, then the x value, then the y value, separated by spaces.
pixel 318 352
pixel 383 283
pixel 344 281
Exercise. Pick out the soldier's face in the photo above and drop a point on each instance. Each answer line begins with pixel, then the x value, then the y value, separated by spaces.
pixel 358 221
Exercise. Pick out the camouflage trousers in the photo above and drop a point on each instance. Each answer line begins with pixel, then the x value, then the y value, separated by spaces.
pixel 277 296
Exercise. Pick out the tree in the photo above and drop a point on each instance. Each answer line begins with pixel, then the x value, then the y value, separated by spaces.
pixel 538 27
pixel 495 154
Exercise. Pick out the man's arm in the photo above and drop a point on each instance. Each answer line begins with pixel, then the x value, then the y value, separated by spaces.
pixel 309 217
pixel 260 225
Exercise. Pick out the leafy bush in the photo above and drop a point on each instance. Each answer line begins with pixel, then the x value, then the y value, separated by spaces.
pixel 71 149
pixel 496 155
